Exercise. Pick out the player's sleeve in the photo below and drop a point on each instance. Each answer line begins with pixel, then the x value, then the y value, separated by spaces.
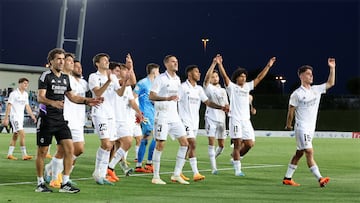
pixel 93 81
pixel 68 85
pixel 11 98
pixel 131 95
pixel 115 80
pixel 156 85
pixel 42 83
pixel 209 89
pixel 202 94
pixel 250 85
pixel 85 85
pixel 181 92
pixel 27 101
pixel 229 88
pixel 138 88
pixel 320 88
pixel 225 96
pixel 293 101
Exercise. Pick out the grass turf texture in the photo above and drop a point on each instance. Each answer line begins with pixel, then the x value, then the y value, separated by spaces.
pixel 264 167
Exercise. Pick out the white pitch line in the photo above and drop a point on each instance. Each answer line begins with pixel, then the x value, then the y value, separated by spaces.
pixel 150 174
pixel 219 163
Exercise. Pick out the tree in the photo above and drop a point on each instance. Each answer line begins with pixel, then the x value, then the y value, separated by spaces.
pixel 353 85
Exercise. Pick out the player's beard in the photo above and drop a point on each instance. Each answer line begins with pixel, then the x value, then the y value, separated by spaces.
pixel 58 68
pixel 76 75
pixel 215 83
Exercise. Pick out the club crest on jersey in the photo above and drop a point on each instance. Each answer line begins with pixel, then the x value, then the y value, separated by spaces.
pixel 64 81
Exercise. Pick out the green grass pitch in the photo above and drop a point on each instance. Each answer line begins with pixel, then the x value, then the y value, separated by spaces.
pixel 264 167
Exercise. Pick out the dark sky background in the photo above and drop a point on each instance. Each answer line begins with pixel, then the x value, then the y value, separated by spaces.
pixel 246 33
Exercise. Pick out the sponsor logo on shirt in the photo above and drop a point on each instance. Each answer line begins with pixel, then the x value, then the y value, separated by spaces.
pixel 58 89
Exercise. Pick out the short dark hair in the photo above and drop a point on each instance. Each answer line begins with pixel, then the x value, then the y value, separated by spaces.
pixel 150 67
pixel 122 65
pixel 76 61
pixel 167 58
pixel 190 68
pixel 237 73
pixel 21 80
pixel 98 56
pixel 53 52
pixel 67 54
pixel 113 65
pixel 304 68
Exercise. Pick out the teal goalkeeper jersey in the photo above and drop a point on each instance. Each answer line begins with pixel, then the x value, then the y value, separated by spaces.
pixel 142 89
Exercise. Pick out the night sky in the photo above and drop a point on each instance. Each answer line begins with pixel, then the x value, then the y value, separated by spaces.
pixel 246 33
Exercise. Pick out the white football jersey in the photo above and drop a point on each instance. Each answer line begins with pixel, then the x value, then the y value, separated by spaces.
pixel 164 86
pixel 217 95
pixel 121 107
pixel 306 103
pixel 75 113
pixel 18 101
pixel 189 104
pixel 239 100
pixel 105 109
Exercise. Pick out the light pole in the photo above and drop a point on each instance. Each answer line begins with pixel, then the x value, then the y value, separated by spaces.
pixel 205 41
pixel 282 82
pixel 80 35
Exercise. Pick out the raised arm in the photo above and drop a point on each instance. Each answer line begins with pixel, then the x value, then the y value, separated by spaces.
pixel 331 80
pixel 263 73
pixel 222 70
pixel 209 72
pixel 129 63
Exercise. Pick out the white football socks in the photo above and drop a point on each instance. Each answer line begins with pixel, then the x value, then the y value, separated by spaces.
pixel 119 154
pixel 156 163
pixel 316 172
pixel 193 164
pixel 11 150
pixel 211 151
pixel 290 171
pixel 180 160
pixel 23 150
